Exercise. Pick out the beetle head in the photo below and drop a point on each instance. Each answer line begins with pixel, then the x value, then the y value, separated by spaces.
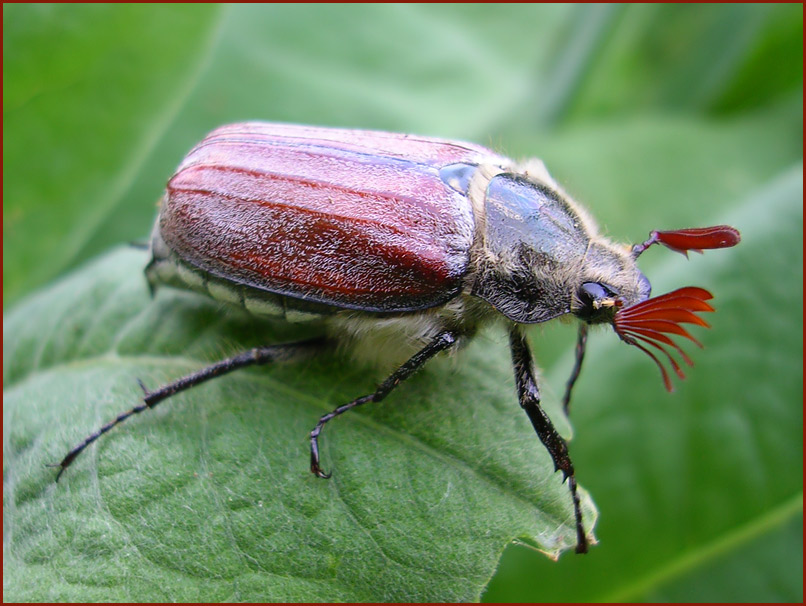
pixel 640 320
pixel 609 281
pixel 541 259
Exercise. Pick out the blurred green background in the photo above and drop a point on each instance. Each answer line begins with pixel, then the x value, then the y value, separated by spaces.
pixel 653 116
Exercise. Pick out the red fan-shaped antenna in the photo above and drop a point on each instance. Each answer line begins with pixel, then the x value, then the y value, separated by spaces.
pixel 652 320
pixel 693 238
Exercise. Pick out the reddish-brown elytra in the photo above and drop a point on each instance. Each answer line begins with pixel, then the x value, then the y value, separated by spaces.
pixel 403 247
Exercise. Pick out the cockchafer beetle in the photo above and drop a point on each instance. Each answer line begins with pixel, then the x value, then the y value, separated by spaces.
pixel 414 241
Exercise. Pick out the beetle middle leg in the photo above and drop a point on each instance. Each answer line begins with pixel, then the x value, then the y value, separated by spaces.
pixel 529 397
pixel 441 342
pixel 255 356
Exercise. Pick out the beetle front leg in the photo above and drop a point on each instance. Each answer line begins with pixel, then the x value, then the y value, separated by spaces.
pixel 579 356
pixel 444 340
pixel 529 397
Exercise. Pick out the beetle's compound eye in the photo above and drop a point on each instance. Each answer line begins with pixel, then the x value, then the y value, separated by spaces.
pixel 596 298
pixel 591 292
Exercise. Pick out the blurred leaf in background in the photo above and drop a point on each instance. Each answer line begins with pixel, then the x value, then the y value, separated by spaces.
pixel 653 116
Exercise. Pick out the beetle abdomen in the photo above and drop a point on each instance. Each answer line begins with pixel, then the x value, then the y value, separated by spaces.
pixel 354 219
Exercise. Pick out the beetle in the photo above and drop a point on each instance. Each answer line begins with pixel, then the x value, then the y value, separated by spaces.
pixel 411 241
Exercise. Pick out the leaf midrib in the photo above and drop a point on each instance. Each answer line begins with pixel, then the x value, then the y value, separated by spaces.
pixel 106 202
pixel 711 550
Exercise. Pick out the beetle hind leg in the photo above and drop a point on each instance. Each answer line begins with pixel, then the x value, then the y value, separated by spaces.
pixel 255 356
pixel 444 340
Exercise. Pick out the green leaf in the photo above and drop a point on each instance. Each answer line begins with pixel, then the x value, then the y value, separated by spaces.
pixel 706 478
pixel 653 116
pixel 211 499
pixel 84 103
